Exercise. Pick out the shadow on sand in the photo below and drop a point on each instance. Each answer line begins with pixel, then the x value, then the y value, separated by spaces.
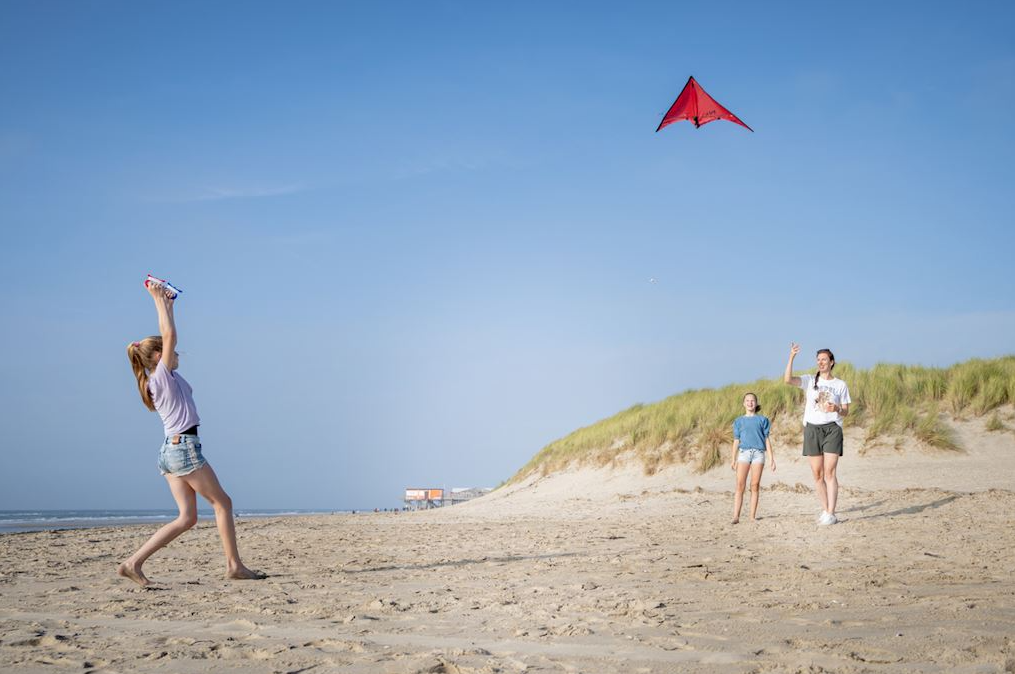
pixel 913 510
pixel 460 562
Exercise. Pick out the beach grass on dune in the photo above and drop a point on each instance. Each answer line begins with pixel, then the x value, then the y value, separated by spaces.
pixel 695 427
pixel 995 424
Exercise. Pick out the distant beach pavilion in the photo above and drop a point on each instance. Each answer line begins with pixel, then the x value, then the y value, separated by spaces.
pixel 417 498
pixel 423 498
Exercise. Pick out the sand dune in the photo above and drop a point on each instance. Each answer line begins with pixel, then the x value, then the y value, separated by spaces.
pixel 584 571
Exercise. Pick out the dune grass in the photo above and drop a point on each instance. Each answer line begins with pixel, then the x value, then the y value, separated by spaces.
pixel 995 424
pixel 695 426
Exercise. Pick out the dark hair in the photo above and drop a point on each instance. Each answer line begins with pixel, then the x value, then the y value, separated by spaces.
pixel 831 357
pixel 757 407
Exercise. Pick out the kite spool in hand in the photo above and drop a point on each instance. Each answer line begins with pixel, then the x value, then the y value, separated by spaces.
pixel 171 291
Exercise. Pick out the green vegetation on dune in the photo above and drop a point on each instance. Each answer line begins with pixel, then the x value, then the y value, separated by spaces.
pixel 695 426
pixel 995 424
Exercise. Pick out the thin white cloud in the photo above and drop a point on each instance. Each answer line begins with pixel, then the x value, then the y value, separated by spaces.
pixel 220 193
pixel 472 160
pixel 230 193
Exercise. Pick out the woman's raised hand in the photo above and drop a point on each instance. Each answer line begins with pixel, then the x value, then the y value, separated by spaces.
pixel 787 376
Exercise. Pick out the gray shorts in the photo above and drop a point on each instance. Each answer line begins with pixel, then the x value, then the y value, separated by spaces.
pixel 823 439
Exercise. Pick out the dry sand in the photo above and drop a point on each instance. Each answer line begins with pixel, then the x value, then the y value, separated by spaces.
pixel 585 571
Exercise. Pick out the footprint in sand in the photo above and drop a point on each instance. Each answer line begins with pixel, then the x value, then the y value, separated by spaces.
pixel 238 625
pixel 336 645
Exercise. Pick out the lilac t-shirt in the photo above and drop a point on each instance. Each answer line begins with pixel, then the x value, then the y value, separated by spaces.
pixel 174 400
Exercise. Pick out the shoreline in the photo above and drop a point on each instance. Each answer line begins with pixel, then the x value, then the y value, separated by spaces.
pixel 20 522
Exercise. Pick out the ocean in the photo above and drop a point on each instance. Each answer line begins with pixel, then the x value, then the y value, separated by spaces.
pixel 48 520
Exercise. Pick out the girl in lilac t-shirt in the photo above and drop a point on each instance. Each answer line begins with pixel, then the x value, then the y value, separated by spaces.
pixel 163 390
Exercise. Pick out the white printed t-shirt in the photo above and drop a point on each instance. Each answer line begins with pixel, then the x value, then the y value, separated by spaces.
pixel 174 400
pixel 828 391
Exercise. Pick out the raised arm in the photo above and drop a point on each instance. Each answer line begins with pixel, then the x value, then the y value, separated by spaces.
pixel 787 376
pixel 167 324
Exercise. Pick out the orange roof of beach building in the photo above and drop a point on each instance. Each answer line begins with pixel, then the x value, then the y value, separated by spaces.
pixel 430 497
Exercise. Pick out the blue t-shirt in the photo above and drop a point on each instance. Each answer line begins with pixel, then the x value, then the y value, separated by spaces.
pixel 751 431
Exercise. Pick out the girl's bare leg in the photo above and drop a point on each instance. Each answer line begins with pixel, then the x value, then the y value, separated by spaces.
pixel 186 502
pixel 831 462
pixel 818 471
pixel 206 483
pixel 756 469
pixel 738 498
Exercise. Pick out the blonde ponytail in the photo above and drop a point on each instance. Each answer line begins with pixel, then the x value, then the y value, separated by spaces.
pixel 142 361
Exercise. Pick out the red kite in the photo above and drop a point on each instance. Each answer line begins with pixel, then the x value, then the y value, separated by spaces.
pixel 696 106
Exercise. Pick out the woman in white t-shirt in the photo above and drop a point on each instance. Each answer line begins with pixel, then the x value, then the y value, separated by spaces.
pixel 827 403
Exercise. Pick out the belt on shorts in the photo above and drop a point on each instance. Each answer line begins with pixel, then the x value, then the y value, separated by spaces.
pixel 175 440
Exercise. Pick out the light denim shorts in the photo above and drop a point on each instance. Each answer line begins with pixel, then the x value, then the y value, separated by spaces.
pixel 181 459
pixel 751 456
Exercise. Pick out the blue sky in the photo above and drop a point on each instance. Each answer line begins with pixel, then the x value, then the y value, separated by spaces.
pixel 416 239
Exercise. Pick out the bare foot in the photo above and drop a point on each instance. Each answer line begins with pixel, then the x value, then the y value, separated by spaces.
pixel 134 573
pixel 736 520
pixel 243 573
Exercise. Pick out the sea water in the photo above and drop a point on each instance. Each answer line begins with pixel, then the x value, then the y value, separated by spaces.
pixel 48 520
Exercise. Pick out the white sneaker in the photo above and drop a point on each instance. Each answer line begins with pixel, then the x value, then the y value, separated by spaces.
pixel 822 516
pixel 826 519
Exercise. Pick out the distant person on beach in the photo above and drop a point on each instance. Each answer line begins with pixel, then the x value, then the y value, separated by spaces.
pixel 827 403
pixel 750 447
pixel 154 361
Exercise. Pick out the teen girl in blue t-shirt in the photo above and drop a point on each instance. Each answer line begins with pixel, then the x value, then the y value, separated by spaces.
pixel 750 446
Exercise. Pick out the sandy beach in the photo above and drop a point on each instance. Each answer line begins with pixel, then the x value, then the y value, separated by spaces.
pixel 589 570
pixel 459 311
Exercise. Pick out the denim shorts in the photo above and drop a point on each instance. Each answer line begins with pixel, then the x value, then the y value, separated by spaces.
pixel 751 456
pixel 181 459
